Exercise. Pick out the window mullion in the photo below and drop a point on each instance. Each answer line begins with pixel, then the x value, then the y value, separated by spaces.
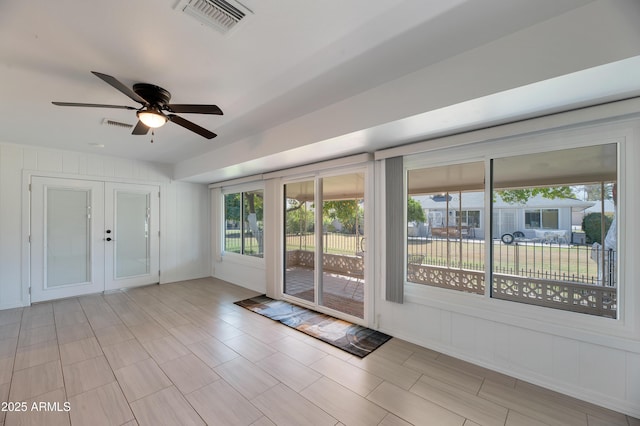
pixel 242 223
pixel 460 229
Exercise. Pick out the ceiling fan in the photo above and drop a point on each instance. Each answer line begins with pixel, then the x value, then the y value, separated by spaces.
pixel 154 101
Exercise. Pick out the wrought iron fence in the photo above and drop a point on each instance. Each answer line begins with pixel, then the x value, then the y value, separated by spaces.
pixel 332 242
pixel 576 278
pixel 453 253
pixel 558 262
pixel 234 240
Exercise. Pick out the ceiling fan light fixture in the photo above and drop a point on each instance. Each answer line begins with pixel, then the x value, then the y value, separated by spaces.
pixel 152 118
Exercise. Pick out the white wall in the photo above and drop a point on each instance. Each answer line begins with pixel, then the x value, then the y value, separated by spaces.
pixel 184 241
pixel 184 212
pixel 245 271
pixel 592 358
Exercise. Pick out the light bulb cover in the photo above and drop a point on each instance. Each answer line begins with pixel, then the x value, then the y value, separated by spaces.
pixel 151 118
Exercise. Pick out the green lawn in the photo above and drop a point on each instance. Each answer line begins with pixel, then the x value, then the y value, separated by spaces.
pixel 334 243
pixel 536 260
pixel 233 243
pixel 540 260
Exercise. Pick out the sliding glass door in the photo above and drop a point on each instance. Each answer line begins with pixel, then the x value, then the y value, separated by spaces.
pixel 324 256
pixel 300 241
pixel 343 244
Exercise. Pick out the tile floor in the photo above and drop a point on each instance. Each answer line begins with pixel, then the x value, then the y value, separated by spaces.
pixel 183 353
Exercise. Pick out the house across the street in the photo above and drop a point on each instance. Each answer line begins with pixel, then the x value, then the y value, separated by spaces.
pixel 536 218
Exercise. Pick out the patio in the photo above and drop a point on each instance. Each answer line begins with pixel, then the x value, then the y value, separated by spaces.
pixel 341 292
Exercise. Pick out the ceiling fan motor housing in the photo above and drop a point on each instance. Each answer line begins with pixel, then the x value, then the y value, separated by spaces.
pixel 153 94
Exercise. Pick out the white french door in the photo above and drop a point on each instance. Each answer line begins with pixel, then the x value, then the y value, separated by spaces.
pixel 131 235
pixel 88 236
pixel 67 250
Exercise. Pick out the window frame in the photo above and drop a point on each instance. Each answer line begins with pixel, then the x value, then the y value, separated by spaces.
pixel 559 284
pixel 564 322
pixel 241 256
pixel 455 265
pixel 465 214
pixel 317 173
pixel 540 212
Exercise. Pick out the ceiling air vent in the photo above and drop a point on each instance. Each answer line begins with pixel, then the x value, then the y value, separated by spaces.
pixel 114 123
pixel 222 15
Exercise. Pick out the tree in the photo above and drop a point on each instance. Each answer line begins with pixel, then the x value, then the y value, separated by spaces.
pixel 253 204
pixel 594 192
pixel 299 217
pixel 253 213
pixel 345 211
pixel 592 226
pixel 522 195
pixel 232 207
pixel 415 213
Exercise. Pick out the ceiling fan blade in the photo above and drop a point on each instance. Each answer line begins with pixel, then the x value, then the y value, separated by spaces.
pixel 194 109
pixel 75 104
pixel 191 126
pixel 140 129
pixel 115 83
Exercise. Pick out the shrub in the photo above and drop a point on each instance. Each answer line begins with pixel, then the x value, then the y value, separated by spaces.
pixel 591 225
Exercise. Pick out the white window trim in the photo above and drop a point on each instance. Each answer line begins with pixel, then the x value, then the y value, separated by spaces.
pixel 353 164
pixel 238 258
pixel 568 324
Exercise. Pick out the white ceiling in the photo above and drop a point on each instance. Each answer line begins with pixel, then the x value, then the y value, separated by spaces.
pixel 303 80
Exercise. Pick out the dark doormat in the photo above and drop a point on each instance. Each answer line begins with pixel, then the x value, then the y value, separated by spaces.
pixel 352 338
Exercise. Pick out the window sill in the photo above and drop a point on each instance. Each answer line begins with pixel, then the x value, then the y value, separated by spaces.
pixel 241 259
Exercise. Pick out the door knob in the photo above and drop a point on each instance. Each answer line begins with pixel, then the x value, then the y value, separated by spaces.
pixel 108 239
pixel 108 231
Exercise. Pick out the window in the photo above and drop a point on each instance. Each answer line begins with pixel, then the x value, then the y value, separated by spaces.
pixel 552 237
pixel 562 256
pixel 243 223
pixel 445 246
pixel 541 219
pixel 469 218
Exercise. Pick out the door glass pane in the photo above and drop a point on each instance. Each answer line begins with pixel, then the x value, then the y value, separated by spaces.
pixel 299 224
pixel 132 234
pixel 343 244
pixel 68 237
